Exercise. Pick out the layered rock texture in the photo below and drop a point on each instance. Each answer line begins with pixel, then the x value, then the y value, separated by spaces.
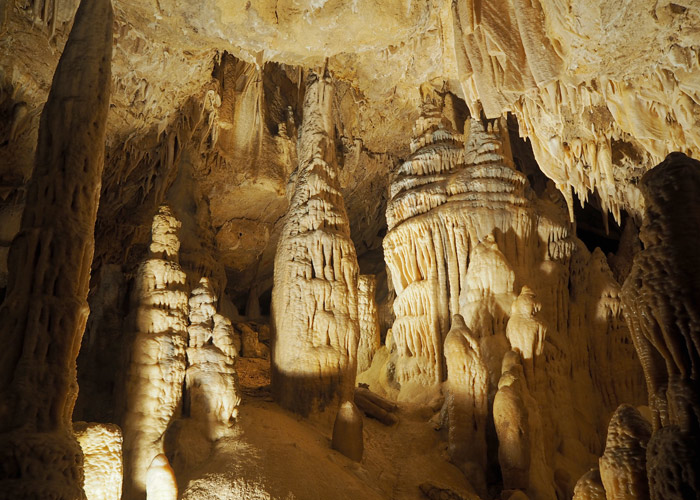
pixel 45 311
pixel 314 298
pixel 157 371
pixel 660 297
pixel 469 239
pixel 271 234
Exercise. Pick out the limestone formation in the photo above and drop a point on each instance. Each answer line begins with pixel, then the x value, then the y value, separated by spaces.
pixel 521 445
pixel 370 339
pixel 347 432
pixel 467 402
pixel 251 347
pixel 661 295
pixel 213 395
pixel 160 480
pixel 590 487
pixel 661 307
pixel 623 465
pixel 525 333
pixel 672 464
pixel 45 309
pixel 314 298
pixel 156 375
pixel 102 450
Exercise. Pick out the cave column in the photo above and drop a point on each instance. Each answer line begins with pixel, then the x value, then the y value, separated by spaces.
pixel 44 314
pixel 314 297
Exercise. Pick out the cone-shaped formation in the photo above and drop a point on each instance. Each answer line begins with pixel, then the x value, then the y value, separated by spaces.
pixel 467 402
pixel 154 386
pixel 160 480
pixel 370 339
pixel 347 431
pixel 589 487
pixel 213 395
pixel 314 297
pixel 45 311
pixel 623 465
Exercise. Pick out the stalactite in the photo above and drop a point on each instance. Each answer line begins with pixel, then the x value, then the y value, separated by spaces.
pixel 45 310
pixel 314 298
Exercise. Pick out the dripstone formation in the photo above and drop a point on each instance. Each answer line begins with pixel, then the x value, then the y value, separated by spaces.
pixel 314 297
pixel 45 310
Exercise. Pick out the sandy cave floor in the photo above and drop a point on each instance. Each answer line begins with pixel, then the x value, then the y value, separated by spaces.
pixel 278 455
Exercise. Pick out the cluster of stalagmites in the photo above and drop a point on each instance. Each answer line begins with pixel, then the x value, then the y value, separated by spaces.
pixel 496 298
pixel 182 341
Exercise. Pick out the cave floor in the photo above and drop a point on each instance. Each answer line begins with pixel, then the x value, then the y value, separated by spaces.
pixel 279 455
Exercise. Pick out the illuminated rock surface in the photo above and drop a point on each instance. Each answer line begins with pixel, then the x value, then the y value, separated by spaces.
pixel 314 297
pixel 308 144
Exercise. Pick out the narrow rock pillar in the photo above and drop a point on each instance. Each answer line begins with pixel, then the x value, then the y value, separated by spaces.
pixel 314 297
pixel 44 314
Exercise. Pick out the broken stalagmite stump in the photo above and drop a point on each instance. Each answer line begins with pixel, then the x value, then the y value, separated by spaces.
pixel 347 432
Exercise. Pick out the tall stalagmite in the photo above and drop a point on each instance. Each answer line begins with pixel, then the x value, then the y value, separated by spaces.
pixel 467 402
pixel 662 307
pixel 45 311
pixel 157 370
pixel 370 338
pixel 314 298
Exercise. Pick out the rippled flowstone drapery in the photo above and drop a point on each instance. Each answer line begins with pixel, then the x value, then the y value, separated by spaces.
pixel 661 297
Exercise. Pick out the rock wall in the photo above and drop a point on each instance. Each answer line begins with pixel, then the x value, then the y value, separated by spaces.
pixel 314 298
pixel 660 297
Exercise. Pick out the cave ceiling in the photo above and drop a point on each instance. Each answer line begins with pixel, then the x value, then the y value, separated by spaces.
pixel 206 102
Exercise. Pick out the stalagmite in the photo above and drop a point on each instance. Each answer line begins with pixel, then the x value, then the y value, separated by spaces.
pixel 347 432
pixel 589 487
pixel 160 480
pixel 525 333
pixel 623 465
pixel 102 450
pixel 314 297
pixel 467 402
pixel 370 339
pixel 521 447
pixel 213 395
pixel 157 371
pixel 662 307
pixel 45 310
